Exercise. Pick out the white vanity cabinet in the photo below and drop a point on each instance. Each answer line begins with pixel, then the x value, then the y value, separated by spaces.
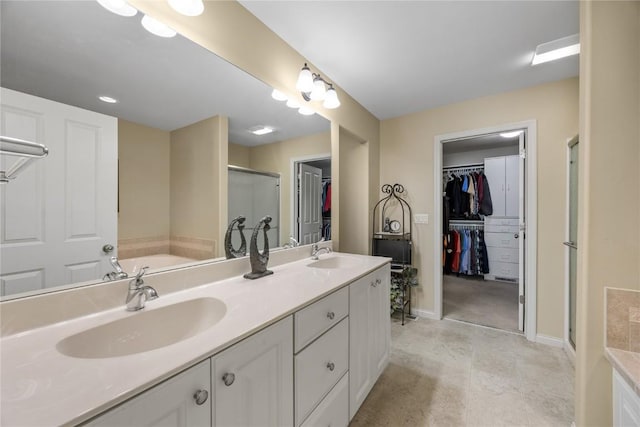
pixel 369 334
pixel 626 403
pixel 184 400
pixel 253 380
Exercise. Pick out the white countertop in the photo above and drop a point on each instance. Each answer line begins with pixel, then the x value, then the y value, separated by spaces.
pixel 627 363
pixel 40 386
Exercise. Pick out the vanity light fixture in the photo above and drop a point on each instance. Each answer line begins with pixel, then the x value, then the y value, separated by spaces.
pixel 187 7
pixel 107 99
pixel 119 7
pixel 556 49
pixel 314 88
pixel 261 130
pixel 292 103
pixel 156 27
pixel 278 96
pixel 511 134
pixel 306 111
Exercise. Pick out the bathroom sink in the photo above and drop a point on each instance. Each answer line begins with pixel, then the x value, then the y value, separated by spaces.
pixel 146 330
pixel 335 262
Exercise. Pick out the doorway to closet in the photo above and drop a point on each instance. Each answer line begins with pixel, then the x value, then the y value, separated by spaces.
pixel 483 209
pixel 312 200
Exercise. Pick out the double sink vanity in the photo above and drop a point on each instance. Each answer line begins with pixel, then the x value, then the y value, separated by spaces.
pixel 301 347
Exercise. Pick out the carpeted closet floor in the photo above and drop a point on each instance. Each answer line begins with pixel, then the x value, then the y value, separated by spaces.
pixel 481 302
pixel 446 373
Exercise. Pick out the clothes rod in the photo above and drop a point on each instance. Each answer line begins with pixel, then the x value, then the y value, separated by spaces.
pixel 466 221
pixel 470 166
pixel 27 152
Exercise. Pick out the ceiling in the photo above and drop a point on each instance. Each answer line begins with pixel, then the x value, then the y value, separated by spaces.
pixel 74 51
pixel 481 142
pixel 399 57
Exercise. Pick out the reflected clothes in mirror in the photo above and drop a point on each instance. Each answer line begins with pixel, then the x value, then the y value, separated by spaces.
pixel 326 209
pixel 465 252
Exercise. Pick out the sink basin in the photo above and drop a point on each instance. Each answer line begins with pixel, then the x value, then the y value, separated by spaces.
pixel 146 330
pixel 335 262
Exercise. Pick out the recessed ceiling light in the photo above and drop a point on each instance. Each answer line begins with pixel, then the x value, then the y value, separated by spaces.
pixel 278 96
pixel 557 49
pixel 187 7
pixel 261 130
pixel 156 27
pixel 107 99
pixel 511 134
pixel 119 7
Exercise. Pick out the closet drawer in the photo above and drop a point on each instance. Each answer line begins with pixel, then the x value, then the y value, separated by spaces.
pixel 507 270
pixel 500 240
pixel 319 367
pixel 502 255
pixel 489 220
pixel 312 321
pixel 334 409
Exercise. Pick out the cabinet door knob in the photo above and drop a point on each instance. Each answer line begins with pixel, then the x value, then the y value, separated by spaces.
pixel 228 378
pixel 331 315
pixel 201 397
pixel 331 366
pixel 515 236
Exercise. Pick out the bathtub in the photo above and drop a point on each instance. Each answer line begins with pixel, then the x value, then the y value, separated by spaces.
pixel 132 265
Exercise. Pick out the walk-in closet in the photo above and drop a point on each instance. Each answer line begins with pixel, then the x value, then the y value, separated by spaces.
pixel 481 255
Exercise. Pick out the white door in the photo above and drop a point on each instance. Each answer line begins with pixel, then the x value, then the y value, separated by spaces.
pixel 253 380
pixel 522 229
pixel 309 204
pixel 512 185
pixel 182 401
pixel 380 321
pixel 59 213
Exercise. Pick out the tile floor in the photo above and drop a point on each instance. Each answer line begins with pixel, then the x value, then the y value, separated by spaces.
pixel 447 373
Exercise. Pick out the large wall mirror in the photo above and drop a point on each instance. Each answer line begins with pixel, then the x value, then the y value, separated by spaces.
pixel 148 174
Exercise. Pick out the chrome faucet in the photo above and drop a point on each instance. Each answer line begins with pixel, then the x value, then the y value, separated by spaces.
pixel 316 251
pixel 139 293
pixel 118 274
pixel 292 243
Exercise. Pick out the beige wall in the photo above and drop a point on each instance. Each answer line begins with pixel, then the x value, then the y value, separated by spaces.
pixel 143 181
pixel 353 226
pixel 260 52
pixel 198 181
pixel 277 157
pixel 609 204
pixel 239 155
pixel 407 158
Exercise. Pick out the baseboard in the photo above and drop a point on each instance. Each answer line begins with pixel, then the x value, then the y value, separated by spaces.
pixel 570 352
pixel 426 314
pixel 552 341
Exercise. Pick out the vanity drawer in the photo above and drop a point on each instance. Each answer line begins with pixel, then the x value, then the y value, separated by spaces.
pixel 319 367
pixel 312 321
pixel 334 409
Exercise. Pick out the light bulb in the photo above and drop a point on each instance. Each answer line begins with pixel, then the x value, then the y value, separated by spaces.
pixel 306 111
pixel 119 7
pixel 319 91
pixel 156 27
pixel 292 103
pixel 331 101
pixel 305 80
pixel 278 96
pixel 187 7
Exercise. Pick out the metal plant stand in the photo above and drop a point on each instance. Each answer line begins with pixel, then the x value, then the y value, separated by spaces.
pixel 392 237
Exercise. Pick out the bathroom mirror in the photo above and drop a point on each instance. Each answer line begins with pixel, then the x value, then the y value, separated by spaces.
pixel 169 92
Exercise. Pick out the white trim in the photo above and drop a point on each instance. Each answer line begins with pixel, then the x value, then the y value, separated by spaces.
pixel 551 341
pixel 570 352
pixel 426 314
pixel 292 184
pixel 531 216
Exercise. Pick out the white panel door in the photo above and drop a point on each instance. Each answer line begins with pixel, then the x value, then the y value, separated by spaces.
pixel 511 164
pixel 59 213
pixel 182 401
pixel 380 321
pixel 512 185
pixel 309 204
pixel 253 380
pixel 494 170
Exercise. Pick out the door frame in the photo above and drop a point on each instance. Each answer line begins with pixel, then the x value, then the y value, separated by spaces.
pixel 567 253
pixel 293 208
pixel 531 205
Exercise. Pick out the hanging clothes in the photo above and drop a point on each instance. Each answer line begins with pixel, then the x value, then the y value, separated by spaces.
pixel 465 252
pixel 486 205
